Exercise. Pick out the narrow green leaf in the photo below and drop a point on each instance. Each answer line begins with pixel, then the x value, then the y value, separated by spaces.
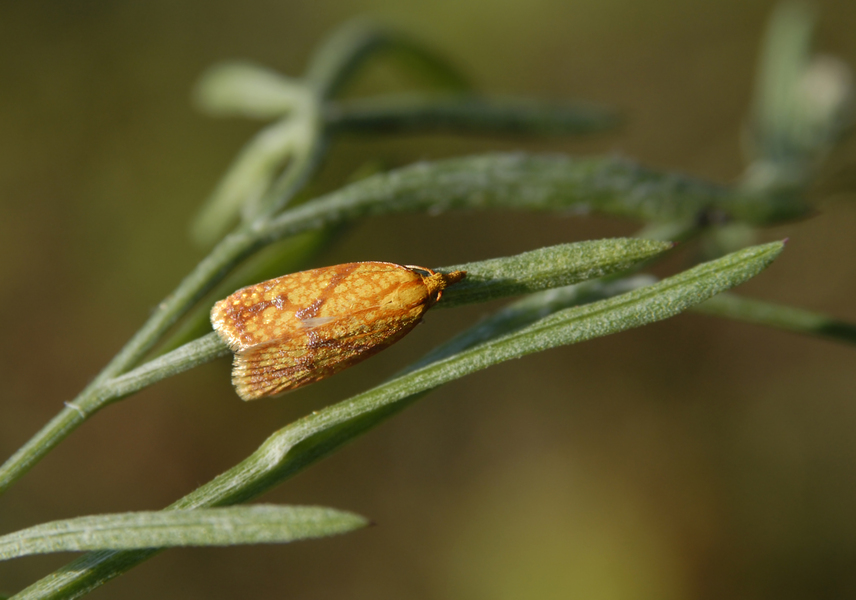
pixel 610 185
pixel 465 114
pixel 531 308
pixel 311 438
pixel 788 318
pixel 260 524
pixel 545 268
pixel 247 90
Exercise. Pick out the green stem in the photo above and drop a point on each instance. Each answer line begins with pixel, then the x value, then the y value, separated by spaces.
pixel 788 318
pixel 535 182
pixel 94 397
pixel 464 113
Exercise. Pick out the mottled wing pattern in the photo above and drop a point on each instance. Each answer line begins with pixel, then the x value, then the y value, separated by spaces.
pixel 278 366
pixel 300 328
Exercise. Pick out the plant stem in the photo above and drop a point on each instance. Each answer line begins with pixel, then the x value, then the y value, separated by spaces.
pixel 95 396
pixel 464 114
pixel 788 318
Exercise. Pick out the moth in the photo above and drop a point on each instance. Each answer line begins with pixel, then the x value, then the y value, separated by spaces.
pixel 300 328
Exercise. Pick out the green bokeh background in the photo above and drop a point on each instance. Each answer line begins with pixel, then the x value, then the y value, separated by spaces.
pixel 692 459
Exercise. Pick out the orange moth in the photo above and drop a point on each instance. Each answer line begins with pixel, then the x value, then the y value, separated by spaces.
pixel 300 328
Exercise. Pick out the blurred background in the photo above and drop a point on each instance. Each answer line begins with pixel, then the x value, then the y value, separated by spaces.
pixel 691 459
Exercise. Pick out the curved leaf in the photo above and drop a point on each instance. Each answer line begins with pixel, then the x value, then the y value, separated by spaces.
pixel 247 90
pixel 348 48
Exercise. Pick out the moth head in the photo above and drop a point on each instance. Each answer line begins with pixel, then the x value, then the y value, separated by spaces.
pixel 437 282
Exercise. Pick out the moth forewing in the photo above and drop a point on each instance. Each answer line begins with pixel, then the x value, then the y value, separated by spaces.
pixel 300 328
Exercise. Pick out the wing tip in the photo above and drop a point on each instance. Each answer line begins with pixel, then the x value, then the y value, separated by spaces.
pixel 253 381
